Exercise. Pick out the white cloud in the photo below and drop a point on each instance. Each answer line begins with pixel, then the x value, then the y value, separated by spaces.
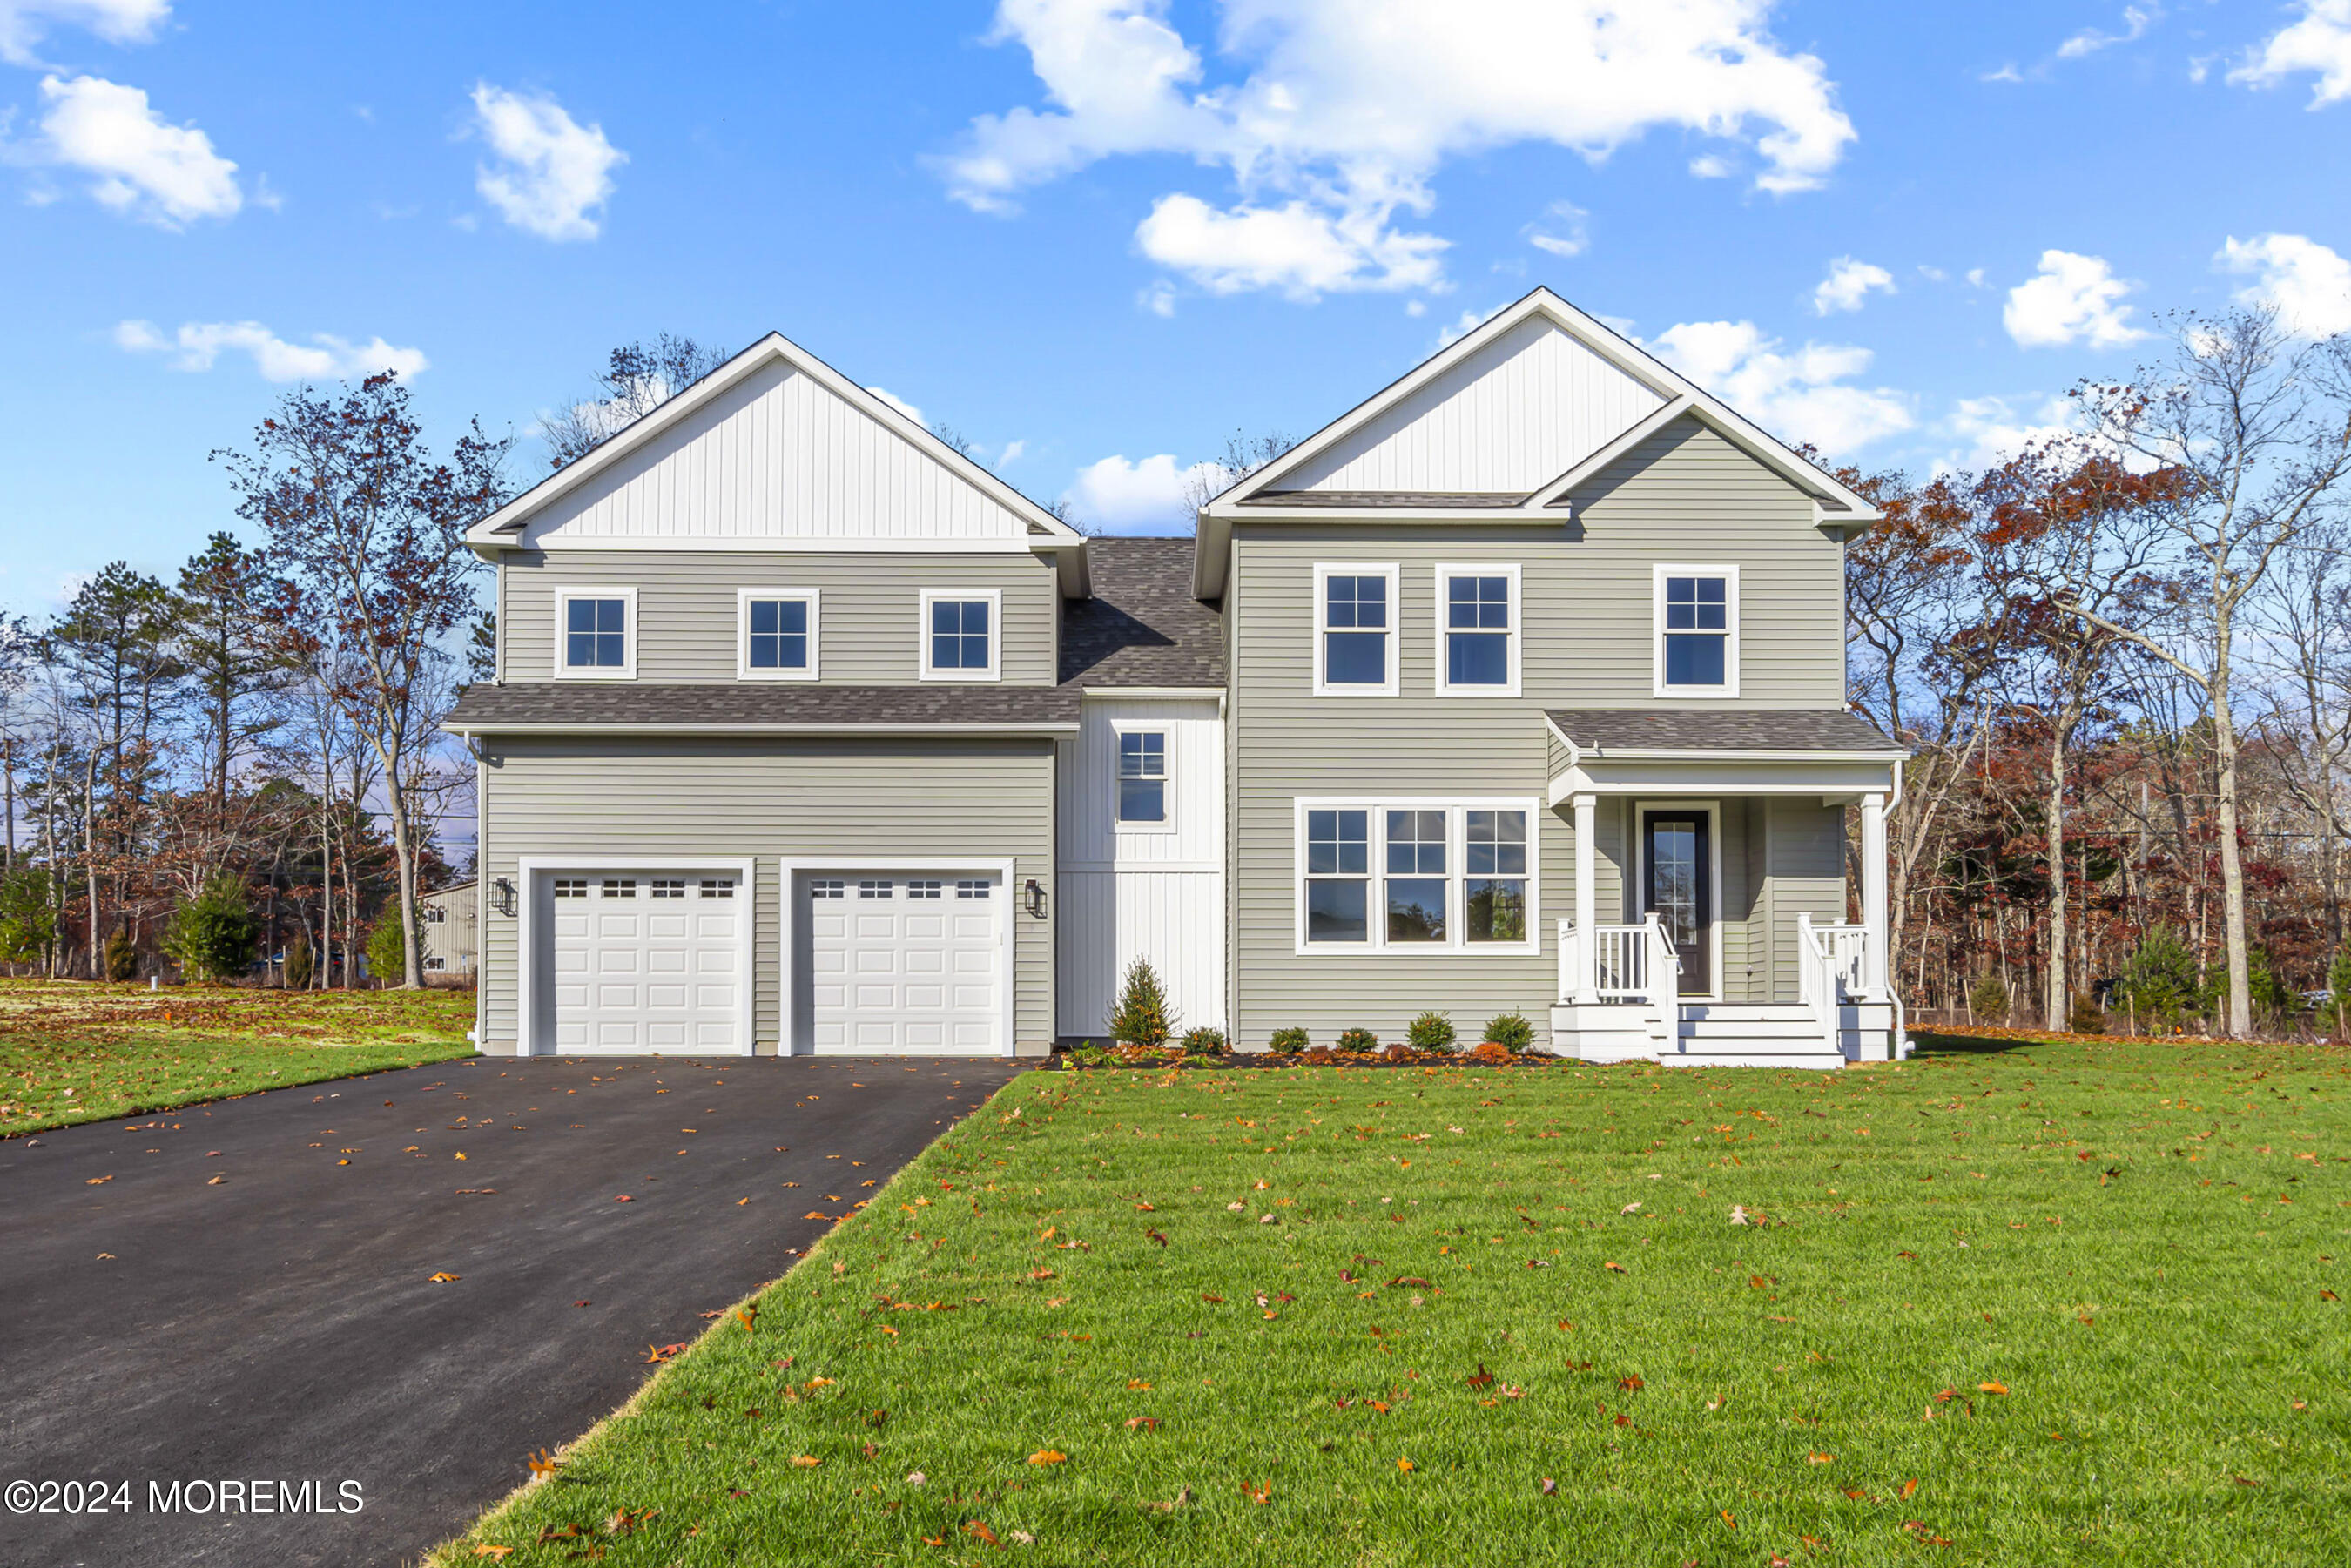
pixel 143 168
pixel 1011 454
pixel 2309 284
pixel 1994 429
pixel 1560 230
pixel 1153 496
pixel 1802 395
pixel 1847 286
pixel 552 170
pixel 198 345
pixel 2071 300
pixel 1706 166
pixel 2136 19
pixel 2006 73
pixel 1301 250
pixel 25 23
pixel 1159 298
pixel 901 405
pixel 1463 325
pixel 2319 42
pixel 1331 128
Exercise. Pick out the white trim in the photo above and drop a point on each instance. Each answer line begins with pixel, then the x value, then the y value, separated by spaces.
pixel 1609 450
pixel 929 596
pixel 1659 572
pixel 743 597
pixel 1166 733
pixel 1006 935
pixel 845 726
pixel 628 669
pixel 1713 810
pixel 1444 573
pixel 1394 572
pixel 1375 876
pixel 529 868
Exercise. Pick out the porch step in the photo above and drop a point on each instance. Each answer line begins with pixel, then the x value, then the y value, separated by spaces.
pixel 1759 1025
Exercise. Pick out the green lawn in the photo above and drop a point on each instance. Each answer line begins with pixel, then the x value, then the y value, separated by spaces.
pixel 2038 1304
pixel 82 1052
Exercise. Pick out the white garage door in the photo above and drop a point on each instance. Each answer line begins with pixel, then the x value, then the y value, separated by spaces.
pixel 904 962
pixel 648 962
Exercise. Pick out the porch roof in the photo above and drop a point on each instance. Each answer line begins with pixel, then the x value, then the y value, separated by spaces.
pixel 1727 733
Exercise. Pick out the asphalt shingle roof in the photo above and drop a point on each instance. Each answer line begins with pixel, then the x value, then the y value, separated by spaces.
pixel 1142 627
pixel 1746 729
pixel 487 707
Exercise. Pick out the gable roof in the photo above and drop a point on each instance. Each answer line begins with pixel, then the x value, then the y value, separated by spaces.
pixel 1142 627
pixel 505 527
pixel 1286 488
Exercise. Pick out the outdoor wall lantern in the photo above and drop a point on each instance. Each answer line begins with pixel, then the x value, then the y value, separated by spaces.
pixel 503 899
pixel 1034 891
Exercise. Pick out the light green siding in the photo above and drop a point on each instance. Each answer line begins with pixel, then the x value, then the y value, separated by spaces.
pixel 870 608
pixel 1685 495
pixel 589 798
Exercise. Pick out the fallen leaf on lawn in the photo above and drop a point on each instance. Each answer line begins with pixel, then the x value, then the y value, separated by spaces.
pixel 1628 1208
pixel 1137 1382
pixel 657 1354
pixel 1820 1459
pixel 1179 1500
pixel 1992 1387
pixel 2328 1296
pixel 541 1465
pixel 1908 1486
pixel 2244 1482
pixel 1728 1519
pixel 915 1477
pixel 806 1461
pixel 1235 1207
pixel 1214 1300
pixel 1147 1208
pixel 1922 1533
pixel 934 1541
pixel 1613 1268
pixel 1855 1493
pixel 1738 1217
pixel 486 1550
pixel 1481 1378
pixel 1143 1423
pixel 980 1527
pixel 446 1278
pixel 1549 1486
pixel 1260 1494
pixel 1405 1465
pixel 1048 1456
pixel 1022 1538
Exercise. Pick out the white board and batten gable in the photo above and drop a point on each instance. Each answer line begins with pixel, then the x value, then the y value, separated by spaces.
pixel 776 450
pixel 1498 426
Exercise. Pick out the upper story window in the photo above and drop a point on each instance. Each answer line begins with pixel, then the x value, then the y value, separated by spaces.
pixel 1431 875
pixel 960 634
pixel 778 635
pixel 596 633
pixel 1477 608
pixel 1143 778
pixel 1355 631
pixel 1697 619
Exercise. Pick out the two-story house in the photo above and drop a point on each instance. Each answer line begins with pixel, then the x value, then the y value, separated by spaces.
pixel 1518 687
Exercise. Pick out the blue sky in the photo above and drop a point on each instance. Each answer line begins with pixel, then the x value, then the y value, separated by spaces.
pixel 1115 232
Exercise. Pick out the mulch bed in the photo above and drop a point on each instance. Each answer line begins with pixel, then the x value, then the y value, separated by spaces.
pixel 1127 1056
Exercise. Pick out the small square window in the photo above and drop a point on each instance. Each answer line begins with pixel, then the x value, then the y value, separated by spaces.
pixel 671 888
pixel 876 888
pixel 778 635
pixel 1143 777
pixel 925 890
pixel 434 915
pixel 960 636
pixel 827 888
pixel 717 887
pixel 595 633
pixel 975 887
pixel 620 887
pixel 571 887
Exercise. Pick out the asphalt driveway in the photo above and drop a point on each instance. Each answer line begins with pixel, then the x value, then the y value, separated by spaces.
pixel 243 1291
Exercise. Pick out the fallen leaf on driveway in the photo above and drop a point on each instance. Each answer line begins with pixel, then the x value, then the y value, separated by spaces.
pixel 102 1258
pixel 624 1198
pixel 459 1155
pixel 215 1181
pixel 445 1278
pixel 98 1181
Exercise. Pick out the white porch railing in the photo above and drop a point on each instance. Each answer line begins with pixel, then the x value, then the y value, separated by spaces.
pixel 1832 968
pixel 1619 964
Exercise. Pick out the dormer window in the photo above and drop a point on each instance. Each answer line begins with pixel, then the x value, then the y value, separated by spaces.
pixel 778 634
pixel 960 634
pixel 1695 615
pixel 596 633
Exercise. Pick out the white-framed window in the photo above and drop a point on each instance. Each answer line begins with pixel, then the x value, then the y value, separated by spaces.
pixel 1477 630
pixel 962 632
pixel 717 887
pixel 436 963
pixel 669 887
pixel 571 887
pixel 776 634
pixel 620 887
pixel 1420 875
pixel 596 633
pixel 1695 616
pixel 875 887
pixel 974 887
pixel 1141 802
pixel 828 887
pixel 1356 634
pixel 434 915
pixel 924 888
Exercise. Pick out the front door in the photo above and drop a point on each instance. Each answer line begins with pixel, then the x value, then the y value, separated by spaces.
pixel 1677 886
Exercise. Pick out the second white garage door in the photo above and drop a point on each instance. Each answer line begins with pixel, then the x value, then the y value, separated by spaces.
pixel 901 962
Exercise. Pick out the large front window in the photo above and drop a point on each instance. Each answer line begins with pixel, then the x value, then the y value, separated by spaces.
pixel 1422 875
pixel 1355 631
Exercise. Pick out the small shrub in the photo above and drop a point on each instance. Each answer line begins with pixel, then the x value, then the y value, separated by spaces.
pixel 1091 1056
pixel 27 923
pixel 1142 1016
pixel 1989 1001
pixel 2087 1016
pixel 300 967
pixel 1430 1031
pixel 1511 1032
pixel 1361 1040
pixel 2159 979
pixel 214 934
pixel 387 950
pixel 1490 1051
pixel 1205 1042
pixel 122 956
pixel 1288 1042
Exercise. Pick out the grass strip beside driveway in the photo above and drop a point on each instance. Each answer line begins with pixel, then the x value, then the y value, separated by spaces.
pixel 77 1052
pixel 2051 1303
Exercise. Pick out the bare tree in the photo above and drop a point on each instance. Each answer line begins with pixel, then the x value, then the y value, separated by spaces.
pixel 637 379
pixel 2258 427
pixel 1243 455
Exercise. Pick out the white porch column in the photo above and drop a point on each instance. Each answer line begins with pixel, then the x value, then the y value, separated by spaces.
pixel 1587 898
pixel 1873 896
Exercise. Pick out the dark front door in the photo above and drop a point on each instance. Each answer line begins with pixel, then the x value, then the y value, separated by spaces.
pixel 1679 889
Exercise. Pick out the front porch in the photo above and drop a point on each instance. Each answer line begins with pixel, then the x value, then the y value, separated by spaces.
pixel 1710 925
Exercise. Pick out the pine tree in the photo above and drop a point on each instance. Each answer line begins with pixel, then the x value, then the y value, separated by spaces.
pixel 1142 1016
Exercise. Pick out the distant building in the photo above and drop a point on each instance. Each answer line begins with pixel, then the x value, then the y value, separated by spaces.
pixel 451 941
